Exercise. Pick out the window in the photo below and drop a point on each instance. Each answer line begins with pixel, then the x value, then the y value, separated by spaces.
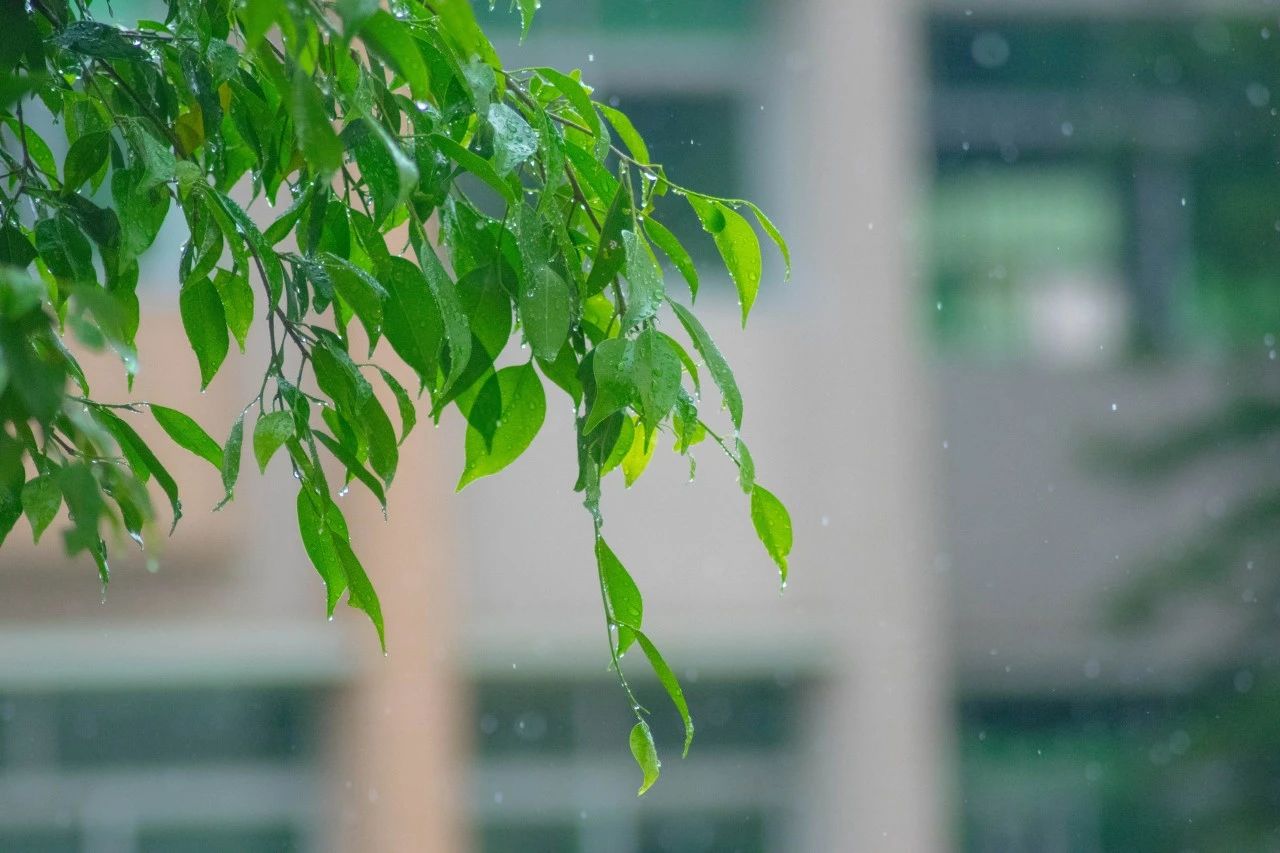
pixel 548 767
pixel 158 770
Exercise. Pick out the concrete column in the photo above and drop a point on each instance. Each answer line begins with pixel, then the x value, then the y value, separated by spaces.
pixel 879 719
pixel 400 734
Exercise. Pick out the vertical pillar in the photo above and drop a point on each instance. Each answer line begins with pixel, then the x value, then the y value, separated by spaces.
pixel 399 734
pixel 878 723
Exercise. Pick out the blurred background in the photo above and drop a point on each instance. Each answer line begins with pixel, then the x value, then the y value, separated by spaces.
pixel 1021 396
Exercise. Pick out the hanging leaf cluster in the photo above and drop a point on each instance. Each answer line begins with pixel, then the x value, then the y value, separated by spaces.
pixel 357 183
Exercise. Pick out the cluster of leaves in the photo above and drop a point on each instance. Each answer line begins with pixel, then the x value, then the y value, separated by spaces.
pixel 526 206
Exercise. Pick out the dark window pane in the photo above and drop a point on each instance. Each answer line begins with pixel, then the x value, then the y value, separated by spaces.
pixel 528 838
pixel 524 717
pixel 680 14
pixel 40 840
pixel 696 139
pixel 736 715
pixel 703 833
pixel 152 727
pixel 218 840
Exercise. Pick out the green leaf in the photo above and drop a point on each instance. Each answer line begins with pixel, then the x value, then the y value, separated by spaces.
pixel 84 158
pixel 205 323
pixel 686 360
pixel 238 228
pixel 673 249
pixel 715 362
pixel 655 377
pixel 318 143
pixel 773 526
pixel 626 132
pixel 231 460
pixel 545 312
pixel 514 141
pixel 612 369
pixel 154 161
pixel 643 443
pixel 412 321
pixel 611 254
pixel 457 329
pixel 64 249
pixel 577 96
pixel 101 41
pixel 408 414
pixel 256 18
pixel 188 434
pixel 359 290
pixel 318 542
pixel 475 164
pixel 237 303
pixel 621 595
pixel 390 173
pixel 645 289
pixel 142 210
pixel 522 411
pixel 646 755
pixel 391 42
pixel 621 447
pixel 527 10
pixel 353 465
pixel 738 245
pixel 671 684
pixel 361 594
pixel 269 434
pixel 139 453
pixel 384 454
pixel 15 249
pixel 774 234
pixel 41 499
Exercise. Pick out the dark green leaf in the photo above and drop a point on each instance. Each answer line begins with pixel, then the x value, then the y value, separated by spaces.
pixel 84 158
pixel 318 541
pixel 188 434
pixel 673 249
pixel 353 465
pixel 669 683
pixel 475 164
pixel 41 499
pixel 205 323
pixel 773 526
pixel 316 139
pixel 621 595
pixel 611 254
pixel 391 42
pixel 139 453
pixel 514 141
pixel 15 249
pixel 655 377
pixel 64 249
pixel 715 362
pixel 359 290
pixel 101 41
pixel 645 289
pixel 408 414
pixel 522 410
pixel 389 172
pixel 545 312
pixel 231 460
pixel 612 366
pixel 412 320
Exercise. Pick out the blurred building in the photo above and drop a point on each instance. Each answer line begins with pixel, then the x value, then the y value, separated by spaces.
pixel 1024 232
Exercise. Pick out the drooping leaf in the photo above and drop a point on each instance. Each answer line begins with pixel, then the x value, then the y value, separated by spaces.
pixel 673 249
pixel 545 312
pixel 612 367
pixel 514 141
pixel 231 460
pixel 655 377
pixel 269 434
pixel 205 323
pixel 646 755
pixel 622 596
pixel 316 139
pixel 391 42
pixel 669 683
pixel 522 410
pixel 773 526
pixel 139 454
pixel 636 459
pixel 738 245
pixel 188 434
pixel 714 361
pixel 41 499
